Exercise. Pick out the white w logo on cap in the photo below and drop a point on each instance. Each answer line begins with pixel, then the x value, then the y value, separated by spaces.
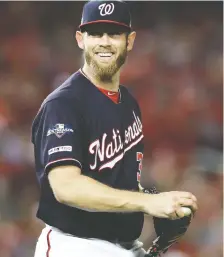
pixel 106 9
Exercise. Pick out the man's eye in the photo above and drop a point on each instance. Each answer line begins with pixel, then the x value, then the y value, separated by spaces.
pixel 100 34
pixel 114 33
pixel 95 34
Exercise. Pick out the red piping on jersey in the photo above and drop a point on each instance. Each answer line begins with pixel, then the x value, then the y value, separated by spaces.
pixel 65 159
pixel 114 96
pixel 48 243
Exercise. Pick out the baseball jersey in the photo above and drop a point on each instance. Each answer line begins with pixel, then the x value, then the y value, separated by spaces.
pixel 79 125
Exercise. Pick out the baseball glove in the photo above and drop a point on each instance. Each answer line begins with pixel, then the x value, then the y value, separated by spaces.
pixel 168 231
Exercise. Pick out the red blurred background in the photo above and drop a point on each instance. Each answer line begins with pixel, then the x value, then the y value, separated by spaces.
pixel 176 73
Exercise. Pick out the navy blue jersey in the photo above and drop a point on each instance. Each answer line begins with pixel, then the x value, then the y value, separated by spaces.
pixel 79 125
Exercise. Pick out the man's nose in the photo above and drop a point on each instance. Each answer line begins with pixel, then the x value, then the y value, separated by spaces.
pixel 105 39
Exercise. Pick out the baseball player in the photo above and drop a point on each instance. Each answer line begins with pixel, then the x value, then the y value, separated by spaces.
pixel 88 143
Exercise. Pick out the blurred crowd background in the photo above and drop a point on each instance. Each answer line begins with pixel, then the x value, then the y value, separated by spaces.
pixel 175 71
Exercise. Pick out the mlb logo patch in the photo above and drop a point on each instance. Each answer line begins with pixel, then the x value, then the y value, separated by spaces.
pixel 59 130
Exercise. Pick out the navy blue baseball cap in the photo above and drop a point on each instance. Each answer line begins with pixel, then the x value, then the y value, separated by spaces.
pixel 106 12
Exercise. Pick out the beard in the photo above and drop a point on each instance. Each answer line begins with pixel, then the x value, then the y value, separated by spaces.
pixel 105 73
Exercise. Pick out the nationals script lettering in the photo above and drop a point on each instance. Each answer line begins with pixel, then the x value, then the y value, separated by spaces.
pixel 114 150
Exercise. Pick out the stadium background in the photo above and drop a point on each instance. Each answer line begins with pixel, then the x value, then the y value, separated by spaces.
pixel 175 71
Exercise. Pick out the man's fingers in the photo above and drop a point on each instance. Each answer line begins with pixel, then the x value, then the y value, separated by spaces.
pixel 194 198
pixel 183 194
pixel 189 203
pixel 177 214
pixel 187 199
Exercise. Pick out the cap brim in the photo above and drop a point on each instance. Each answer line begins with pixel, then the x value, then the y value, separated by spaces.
pixel 118 24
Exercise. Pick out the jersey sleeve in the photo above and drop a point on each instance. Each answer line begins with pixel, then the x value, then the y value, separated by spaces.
pixel 58 135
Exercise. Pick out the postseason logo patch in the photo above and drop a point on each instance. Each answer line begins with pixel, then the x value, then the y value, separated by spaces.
pixel 59 130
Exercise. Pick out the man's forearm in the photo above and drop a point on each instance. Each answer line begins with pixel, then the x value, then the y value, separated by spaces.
pixel 73 189
pixel 89 194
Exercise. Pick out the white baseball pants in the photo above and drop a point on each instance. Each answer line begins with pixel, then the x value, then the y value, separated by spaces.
pixel 54 243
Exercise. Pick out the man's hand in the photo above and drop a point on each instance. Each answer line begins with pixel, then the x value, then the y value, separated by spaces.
pixel 168 204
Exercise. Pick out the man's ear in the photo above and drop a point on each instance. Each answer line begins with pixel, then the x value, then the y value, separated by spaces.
pixel 131 40
pixel 79 39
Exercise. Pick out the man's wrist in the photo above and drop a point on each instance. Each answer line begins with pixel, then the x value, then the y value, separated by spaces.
pixel 141 202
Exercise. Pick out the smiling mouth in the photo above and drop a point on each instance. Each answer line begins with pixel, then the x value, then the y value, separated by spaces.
pixel 104 54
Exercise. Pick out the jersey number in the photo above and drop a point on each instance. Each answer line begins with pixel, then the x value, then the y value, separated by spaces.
pixel 139 157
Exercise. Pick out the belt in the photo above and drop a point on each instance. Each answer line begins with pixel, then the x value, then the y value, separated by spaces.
pixel 126 245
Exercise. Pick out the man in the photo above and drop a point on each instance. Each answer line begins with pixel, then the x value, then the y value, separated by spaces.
pixel 88 144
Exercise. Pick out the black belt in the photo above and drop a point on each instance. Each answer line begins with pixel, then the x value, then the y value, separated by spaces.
pixel 126 245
